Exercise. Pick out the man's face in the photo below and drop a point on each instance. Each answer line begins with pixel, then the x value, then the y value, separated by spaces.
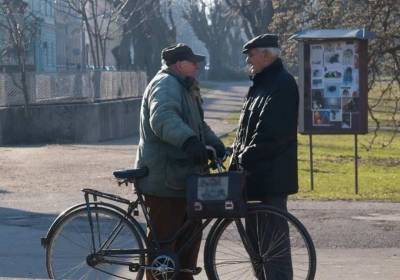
pixel 257 60
pixel 188 68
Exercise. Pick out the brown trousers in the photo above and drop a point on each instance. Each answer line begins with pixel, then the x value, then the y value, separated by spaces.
pixel 167 215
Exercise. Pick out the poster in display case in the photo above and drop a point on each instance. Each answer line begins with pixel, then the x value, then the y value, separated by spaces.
pixel 333 81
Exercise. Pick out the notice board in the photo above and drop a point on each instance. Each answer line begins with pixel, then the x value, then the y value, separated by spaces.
pixel 333 86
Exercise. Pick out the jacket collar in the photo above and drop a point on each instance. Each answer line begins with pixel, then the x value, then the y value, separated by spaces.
pixel 186 82
pixel 270 70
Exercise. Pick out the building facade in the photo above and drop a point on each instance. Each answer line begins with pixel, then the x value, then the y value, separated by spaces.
pixel 45 44
pixel 69 38
pixel 58 45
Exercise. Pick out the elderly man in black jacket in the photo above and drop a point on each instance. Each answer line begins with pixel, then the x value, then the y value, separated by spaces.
pixel 266 144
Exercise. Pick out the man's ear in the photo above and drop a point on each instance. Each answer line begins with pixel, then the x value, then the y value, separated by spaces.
pixel 267 56
pixel 178 65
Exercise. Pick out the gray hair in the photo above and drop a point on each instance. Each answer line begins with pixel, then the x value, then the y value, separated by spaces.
pixel 163 64
pixel 276 52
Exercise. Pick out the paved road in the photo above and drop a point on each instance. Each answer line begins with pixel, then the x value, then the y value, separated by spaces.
pixel 354 240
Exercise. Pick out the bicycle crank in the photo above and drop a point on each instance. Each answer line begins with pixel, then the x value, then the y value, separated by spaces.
pixel 164 266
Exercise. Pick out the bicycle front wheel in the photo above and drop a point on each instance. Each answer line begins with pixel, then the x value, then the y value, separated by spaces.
pixel 74 248
pixel 267 244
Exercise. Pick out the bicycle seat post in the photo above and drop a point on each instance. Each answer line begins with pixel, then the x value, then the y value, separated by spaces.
pixel 86 195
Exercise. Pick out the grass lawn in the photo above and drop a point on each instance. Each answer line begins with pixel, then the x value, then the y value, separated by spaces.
pixel 379 169
pixel 333 157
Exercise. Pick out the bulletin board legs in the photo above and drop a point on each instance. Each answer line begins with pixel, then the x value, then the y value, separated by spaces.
pixel 355 164
pixel 311 163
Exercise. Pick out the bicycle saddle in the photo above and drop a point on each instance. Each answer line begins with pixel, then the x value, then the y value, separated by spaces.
pixel 131 173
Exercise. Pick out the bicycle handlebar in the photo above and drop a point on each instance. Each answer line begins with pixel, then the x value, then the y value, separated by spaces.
pixel 131 174
pixel 217 163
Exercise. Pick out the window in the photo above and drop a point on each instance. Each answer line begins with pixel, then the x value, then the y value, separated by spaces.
pixel 48 7
pixel 32 6
pixel 51 8
pixel 46 52
pixel 52 53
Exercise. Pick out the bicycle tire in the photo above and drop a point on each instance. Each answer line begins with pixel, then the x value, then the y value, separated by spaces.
pixel 226 256
pixel 70 243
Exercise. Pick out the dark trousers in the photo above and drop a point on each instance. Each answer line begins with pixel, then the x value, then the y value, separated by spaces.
pixel 167 216
pixel 270 239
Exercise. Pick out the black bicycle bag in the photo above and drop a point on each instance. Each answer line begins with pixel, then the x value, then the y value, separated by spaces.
pixel 220 195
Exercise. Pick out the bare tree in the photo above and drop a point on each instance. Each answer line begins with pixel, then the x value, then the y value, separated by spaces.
pixel 256 15
pixel 220 32
pixel 20 28
pixel 102 20
pixel 147 31
pixel 275 16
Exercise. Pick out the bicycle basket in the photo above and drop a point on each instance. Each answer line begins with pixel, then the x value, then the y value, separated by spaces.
pixel 218 195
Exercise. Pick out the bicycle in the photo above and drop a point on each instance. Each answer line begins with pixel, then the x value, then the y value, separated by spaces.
pixel 98 239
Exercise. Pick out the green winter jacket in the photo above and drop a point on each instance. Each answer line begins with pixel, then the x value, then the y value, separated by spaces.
pixel 170 113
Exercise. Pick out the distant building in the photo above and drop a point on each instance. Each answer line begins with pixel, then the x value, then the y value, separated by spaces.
pixel 69 38
pixel 59 44
pixel 45 45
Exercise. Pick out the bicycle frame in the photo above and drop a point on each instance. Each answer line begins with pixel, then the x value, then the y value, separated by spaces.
pixel 153 246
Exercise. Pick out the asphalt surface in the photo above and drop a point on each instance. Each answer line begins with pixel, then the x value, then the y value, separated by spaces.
pixel 354 240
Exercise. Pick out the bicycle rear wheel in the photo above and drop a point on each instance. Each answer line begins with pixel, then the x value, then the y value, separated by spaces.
pixel 73 241
pixel 268 244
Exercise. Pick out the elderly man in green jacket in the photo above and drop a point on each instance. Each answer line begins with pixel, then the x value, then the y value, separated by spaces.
pixel 173 136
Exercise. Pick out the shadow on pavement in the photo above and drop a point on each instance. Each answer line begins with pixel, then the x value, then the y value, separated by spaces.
pixel 21 254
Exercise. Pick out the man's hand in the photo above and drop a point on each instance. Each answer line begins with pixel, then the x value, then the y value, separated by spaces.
pixel 195 150
pixel 220 149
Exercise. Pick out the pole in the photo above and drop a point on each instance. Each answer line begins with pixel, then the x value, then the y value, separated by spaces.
pixel 355 164
pixel 311 163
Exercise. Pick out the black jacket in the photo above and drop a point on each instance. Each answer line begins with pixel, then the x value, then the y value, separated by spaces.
pixel 266 142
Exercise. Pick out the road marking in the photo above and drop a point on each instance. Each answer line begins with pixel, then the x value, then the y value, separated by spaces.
pixel 379 217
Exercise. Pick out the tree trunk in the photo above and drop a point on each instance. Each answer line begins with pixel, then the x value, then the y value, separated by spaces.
pixel 25 91
pixel 149 33
pixel 218 64
pixel 122 54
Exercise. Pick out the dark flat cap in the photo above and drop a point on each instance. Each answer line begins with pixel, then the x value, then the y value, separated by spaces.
pixel 261 41
pixel 180 52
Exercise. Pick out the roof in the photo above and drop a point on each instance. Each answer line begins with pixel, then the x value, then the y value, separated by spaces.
pixel 360 33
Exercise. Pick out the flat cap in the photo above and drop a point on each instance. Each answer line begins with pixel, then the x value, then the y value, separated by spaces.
pixel 180 52
pixel 261 41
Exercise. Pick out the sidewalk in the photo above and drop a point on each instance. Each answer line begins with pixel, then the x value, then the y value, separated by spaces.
pixel 221 104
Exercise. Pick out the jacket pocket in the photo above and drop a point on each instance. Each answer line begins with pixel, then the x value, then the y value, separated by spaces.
pixel 176 173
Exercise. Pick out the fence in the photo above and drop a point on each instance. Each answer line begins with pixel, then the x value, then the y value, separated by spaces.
pixel 69 107
pixel 72 86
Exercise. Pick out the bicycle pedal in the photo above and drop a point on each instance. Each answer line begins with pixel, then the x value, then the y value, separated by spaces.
pixel 134 267
pixel 195 271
